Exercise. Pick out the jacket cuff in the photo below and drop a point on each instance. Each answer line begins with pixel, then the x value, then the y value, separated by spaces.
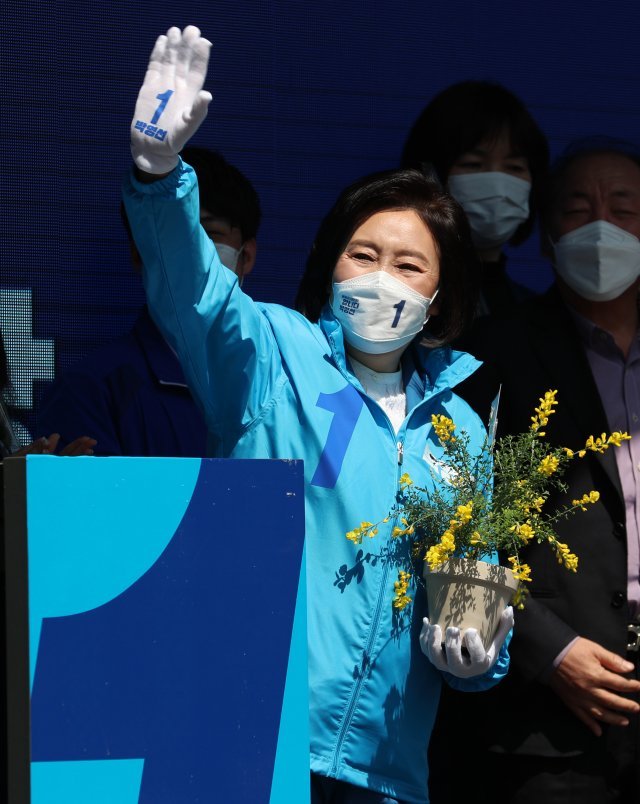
pixel 540 637
pixel 179 182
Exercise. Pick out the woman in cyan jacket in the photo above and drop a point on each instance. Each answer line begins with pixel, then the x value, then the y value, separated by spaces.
pixel 347 385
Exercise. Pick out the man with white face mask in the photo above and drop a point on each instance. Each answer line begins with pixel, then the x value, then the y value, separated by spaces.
pixel 131 395
pixel 565 723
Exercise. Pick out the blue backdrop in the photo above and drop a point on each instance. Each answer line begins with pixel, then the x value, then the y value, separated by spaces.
pixel 307 97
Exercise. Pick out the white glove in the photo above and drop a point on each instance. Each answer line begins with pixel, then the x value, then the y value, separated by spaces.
pixel 171 103
pixel 451 659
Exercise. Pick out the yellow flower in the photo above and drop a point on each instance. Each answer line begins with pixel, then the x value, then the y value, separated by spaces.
pixel 602 443
pixel 400 602
pixel 354 536
pixel 444 427
pixel 548 465
pixel 439 553
pixel 597 444
pixel 408 529
pixel 406 480
pixel 522 572
pixel 564 555
pixel 476 538
pixel 524 530
pixel 530 502
pixel 365 529
pixel 617 438
pixel 435 556
pixel 519 597
pixel 586 499
pixel 543 411
pixel 465 512
pixel 401 599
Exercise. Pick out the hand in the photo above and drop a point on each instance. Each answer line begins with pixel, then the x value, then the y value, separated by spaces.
pixel 81 446
pixel 451 660
pixel 171 103
pixel 588 679
pixel 47 446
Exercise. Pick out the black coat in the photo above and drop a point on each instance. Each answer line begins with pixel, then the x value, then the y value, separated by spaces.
pixel 537 350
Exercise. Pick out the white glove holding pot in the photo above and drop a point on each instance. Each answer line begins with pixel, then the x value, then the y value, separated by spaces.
pixel 171 104
pixel 451 659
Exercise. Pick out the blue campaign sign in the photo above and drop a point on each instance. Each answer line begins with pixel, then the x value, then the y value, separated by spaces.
pixel 162 595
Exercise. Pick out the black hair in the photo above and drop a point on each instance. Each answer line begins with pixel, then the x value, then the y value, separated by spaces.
pixel 443 217
pixel 465 114
pixel 579 149
pixel 225 192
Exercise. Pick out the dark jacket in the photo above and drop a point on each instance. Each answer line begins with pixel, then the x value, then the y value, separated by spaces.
pixel 537 350
pixel 131 396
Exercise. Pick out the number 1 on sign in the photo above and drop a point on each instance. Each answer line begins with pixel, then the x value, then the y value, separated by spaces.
pixel 163 97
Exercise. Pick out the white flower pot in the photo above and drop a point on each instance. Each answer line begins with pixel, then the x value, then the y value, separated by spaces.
pixel 469 594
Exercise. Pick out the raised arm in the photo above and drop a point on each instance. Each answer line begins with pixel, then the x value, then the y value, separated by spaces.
pixel 224 342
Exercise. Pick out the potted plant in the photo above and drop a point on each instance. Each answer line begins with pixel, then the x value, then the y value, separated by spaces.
pixel 493 503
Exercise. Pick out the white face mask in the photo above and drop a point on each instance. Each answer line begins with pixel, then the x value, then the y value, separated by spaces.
pixel 495 204
pixel 599 260
pixel 229 256
pixel 379 313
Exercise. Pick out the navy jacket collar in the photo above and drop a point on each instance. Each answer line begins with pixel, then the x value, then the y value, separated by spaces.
pixel 162 360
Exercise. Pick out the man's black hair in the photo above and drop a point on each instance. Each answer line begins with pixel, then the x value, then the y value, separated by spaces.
pixel 225 192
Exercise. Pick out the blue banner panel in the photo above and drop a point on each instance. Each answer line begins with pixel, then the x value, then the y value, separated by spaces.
pixel 161 608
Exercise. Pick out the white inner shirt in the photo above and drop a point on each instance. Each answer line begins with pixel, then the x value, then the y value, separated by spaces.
pixel 384 388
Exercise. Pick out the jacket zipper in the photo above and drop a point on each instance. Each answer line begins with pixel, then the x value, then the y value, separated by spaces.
pixel 346 722
pixel 373 633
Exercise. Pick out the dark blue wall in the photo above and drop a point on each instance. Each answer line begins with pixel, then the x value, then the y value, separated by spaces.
pixel 307 97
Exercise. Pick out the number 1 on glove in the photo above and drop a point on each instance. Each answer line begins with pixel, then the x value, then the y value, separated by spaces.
pixel 175 77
